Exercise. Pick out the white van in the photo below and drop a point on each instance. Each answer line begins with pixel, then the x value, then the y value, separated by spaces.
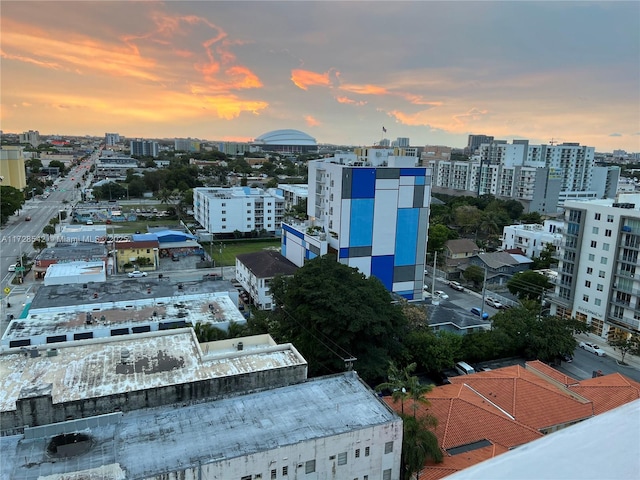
pixel 463 368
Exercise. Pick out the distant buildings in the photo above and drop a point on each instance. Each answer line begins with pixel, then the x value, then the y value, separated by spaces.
pixel 186 145
pixel 111 139
pixel 371 209
pixel 286 141
pixel 474 142
pixel 32 137
pixel 541 177
pixel 224 210
pixel 599 269
pixel 12 168
pixel 144 148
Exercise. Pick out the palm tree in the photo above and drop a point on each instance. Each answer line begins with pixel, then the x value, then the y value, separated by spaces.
pixel 419 444
pixel 397 383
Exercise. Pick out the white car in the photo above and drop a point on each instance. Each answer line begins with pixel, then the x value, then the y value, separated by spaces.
pixel 441 294
pixel 591 348
pixel 12 268
pixel 136 274
pixel 492 302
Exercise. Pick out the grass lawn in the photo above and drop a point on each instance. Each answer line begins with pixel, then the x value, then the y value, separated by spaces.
pixel 233 247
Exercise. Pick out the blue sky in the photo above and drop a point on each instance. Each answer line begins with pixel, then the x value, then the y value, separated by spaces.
pixel 431 71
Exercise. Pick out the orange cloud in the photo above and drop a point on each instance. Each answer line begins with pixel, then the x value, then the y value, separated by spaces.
pixel 364 89
pixel 349 101
pixel 304 78
pixel 311 122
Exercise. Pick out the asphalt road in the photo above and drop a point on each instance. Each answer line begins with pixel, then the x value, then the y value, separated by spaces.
pixel 585 363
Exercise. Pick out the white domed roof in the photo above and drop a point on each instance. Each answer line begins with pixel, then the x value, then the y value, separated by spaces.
pixel 286 137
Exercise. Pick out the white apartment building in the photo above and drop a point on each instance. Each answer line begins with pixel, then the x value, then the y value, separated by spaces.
pixel 542 177
pixel 111 139
pixel 224 210
pixel 293 194
pixel 32 137
pixel 533 238
pixel 371 209
pixel 598 272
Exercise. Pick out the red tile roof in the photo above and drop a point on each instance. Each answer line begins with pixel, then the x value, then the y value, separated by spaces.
pixel 609 391
pixel 529 398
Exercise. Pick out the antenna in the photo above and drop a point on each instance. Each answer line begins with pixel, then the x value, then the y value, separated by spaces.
pixel 552 142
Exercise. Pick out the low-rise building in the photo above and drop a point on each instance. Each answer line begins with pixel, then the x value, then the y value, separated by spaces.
pixel 501 266
pixel 75 272
pixel 12 167
pixel 71 252
pixel 256 270
pixel 137 255
pixel 457 254
pixel 532 239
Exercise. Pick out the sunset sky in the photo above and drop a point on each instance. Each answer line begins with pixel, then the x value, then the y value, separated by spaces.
pixel 431 71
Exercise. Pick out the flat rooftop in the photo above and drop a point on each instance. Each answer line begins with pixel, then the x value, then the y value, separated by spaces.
pixel 145 443
pixel 42 325
pixel 95 368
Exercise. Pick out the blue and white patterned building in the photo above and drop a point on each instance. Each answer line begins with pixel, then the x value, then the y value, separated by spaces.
pixel 371 209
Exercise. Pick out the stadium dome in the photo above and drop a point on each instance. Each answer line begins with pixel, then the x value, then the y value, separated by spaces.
pixel 287 141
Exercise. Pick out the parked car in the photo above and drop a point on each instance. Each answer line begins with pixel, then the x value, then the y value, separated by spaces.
pixel 211 276
pixel 492 302
pixel 592 348
pixel 12 268
pixel 175 258
pixel 89 222
pixel 27 219
pixel 567 357
pixel 136 274
pixel 441 294
pixel 479 312
pixel 456 286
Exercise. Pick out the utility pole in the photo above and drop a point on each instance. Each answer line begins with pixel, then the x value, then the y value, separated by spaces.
pixel 433 277
pixel 484 292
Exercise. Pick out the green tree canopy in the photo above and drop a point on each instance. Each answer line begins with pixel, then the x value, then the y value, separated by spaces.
pixel 11 199
pixel 529 285
pixel 475 274
pixel 331 312
pixel 438 236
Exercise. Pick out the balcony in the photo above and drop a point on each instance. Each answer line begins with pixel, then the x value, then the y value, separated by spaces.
pixel 625 322
pixel 558 300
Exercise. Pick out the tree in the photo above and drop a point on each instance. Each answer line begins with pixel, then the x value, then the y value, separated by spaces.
pixel 59 165
pixel 546 258
pixel 11 199
pixel 522 331
pixel 475 274
pixel 39 244
pixel 626 344
pixel 332 312
pixel 529 285
pixel 397 383
pixel 467 218
pixel 438 236
pixel 434 352
pixel 49 230
pixel 531 218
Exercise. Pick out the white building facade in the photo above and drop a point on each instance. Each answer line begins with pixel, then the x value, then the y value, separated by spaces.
pixel 598 272
pixel 224 210
pixel 532 239
pixel 370 209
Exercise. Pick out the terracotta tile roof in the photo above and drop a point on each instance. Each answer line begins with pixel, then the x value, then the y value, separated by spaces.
pixel 608 392
pixel 530 399
pixel 455 463
pixel 551 372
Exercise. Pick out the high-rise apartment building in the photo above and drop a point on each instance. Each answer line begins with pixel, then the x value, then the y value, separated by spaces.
pixel 111 139
pixel 224 210
pixel 371 209
pixel 32 137
pixel 144 148
pixel 474 141
pixel 186 145
pixel 598 272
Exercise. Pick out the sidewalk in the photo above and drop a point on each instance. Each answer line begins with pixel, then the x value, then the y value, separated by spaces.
pixel 632 361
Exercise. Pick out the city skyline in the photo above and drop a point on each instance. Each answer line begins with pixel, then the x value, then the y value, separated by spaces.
pixel 340 71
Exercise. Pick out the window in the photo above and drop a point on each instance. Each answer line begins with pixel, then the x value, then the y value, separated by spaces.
pixel 597 301
pixel 224 219
pixel 605 247
pixel 273 474
pixel 224 204
pixel 357 453
pixel 342 458
pixel 587 284
pixel 594 244
pixel 367 450
pixel 592 257
pixel 585 298
pixel 609 218
pixel 246 477
pixel 600 287
pixel 285 470
pixel 594 230
pixel 603 260
pixel 310 466
pixel 607 233
pixel 224 212
pixel 597 216
pixel 388 447
pixel 601 274
pixel 589 270
pixel 386 474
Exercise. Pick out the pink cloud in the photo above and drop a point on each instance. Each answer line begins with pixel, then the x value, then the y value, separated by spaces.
pixel 311 122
